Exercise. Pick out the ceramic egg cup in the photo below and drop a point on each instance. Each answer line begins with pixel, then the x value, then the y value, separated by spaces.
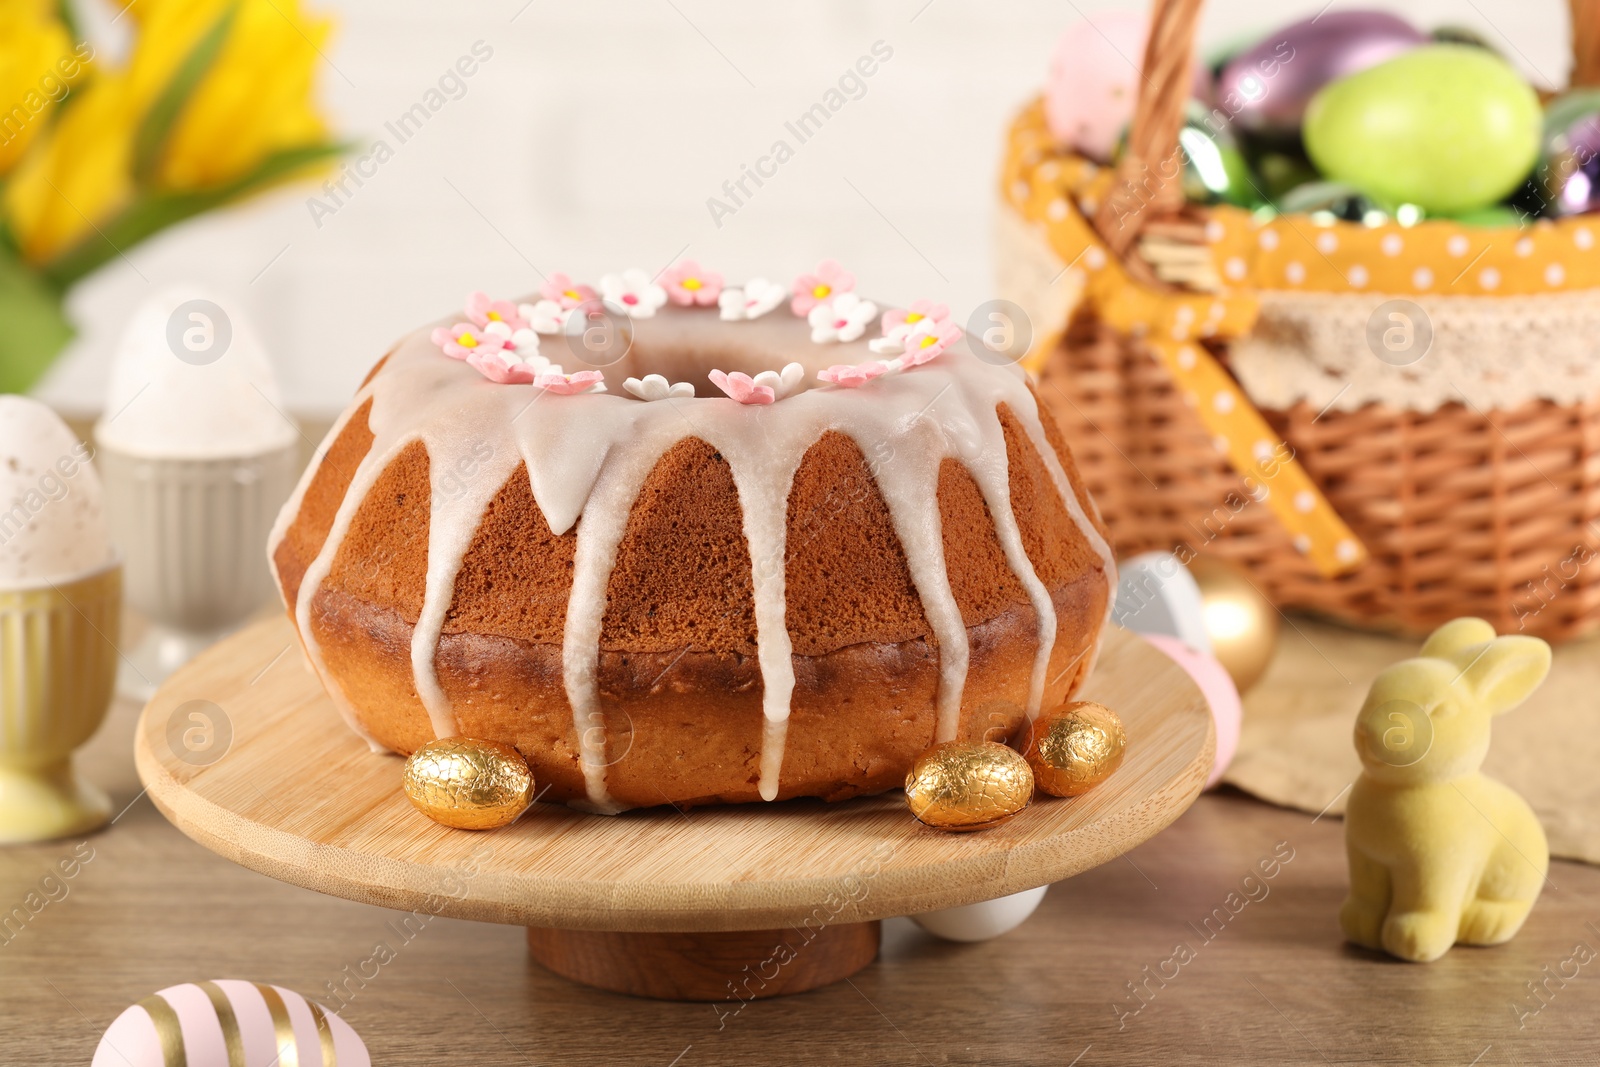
pixel 58 660
pixel 191 532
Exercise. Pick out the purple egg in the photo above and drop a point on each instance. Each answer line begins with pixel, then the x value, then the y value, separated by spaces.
pixel 1571 170
pixel 1266 88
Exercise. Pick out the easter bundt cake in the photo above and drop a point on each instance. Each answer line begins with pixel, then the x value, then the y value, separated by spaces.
pixel 766 543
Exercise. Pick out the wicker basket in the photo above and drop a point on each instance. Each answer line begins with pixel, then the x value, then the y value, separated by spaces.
pixel 1466 506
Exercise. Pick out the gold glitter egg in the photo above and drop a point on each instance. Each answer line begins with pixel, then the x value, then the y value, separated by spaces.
pixel 469 784
pixel 968 785
pixel 1075 747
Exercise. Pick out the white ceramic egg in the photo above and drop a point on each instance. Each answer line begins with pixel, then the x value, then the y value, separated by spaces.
pixel 983 920
pixel 1156 594
pixel 225 1023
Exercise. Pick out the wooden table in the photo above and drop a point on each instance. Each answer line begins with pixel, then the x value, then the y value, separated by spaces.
pixel 1271 984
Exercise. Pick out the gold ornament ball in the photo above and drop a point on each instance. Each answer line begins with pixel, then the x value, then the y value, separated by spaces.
pixel 1075 747
pixel 1241 623
pixel 968 785
pixel 469 784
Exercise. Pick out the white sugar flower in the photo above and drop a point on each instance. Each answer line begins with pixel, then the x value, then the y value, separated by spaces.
pixel 632 293
pixel 523 341
pixel 842 319
pixel 755 299
pixel 783 382
pixel 655 387
pixel 546 316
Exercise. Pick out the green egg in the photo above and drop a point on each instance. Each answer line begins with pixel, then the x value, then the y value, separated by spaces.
pixel 1447 127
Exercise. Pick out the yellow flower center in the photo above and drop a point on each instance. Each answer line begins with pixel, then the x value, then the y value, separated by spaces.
pixel 928 339
pixel 821 292
pixel 571 294
pixel 692 284
pixel 494 316
pixel 466 340
pixel 913 316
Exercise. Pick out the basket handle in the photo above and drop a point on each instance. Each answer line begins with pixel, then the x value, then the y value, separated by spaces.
pixel 1148 183
pixel 1585 42
pixel 1149 177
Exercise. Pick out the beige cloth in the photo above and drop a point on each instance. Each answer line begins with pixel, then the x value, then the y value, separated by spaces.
pixel 1296 748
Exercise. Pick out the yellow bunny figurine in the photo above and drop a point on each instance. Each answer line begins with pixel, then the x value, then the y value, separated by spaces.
pixel 1439 852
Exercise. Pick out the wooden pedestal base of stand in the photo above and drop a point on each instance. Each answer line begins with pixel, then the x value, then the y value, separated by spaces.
pixel 299 797
pixel 733 965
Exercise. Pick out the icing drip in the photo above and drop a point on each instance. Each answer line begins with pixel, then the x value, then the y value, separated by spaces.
pixel 588 456
pixel 452 521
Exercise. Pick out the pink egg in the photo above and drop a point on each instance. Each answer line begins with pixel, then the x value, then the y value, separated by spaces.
pixel 1094 81
pixel 215 1024
pixel 1219 691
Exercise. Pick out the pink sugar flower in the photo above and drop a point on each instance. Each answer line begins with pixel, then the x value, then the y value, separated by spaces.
pixel 570 384
pixel 482 311
pixel 688 285
pixel 743 388
pixel 462 339
pixel 852 376
pixel 897 322
pixel 564 291
pixel 821 285
pixel 501 367
pixel 924 344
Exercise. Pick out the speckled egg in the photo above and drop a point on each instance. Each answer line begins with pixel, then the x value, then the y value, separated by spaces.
pixel 1094 81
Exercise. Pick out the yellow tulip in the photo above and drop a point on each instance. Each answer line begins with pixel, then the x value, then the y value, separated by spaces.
pixel 78 176
pixel 255 99
pixel 38 64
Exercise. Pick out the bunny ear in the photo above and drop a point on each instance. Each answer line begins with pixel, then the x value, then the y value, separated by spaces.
pixel 1506 671
pixel 1456 635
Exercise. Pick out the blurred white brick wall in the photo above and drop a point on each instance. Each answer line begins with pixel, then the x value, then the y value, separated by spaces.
pixel 593 137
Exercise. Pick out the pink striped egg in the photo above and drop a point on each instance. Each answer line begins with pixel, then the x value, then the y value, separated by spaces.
pixel 229 1023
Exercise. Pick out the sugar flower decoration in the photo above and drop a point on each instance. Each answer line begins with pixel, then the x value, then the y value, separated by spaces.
pixel 842 319
pixel 821 285
pixel 484 312
pixel 688 285
pixel 655 387
pixel 519 339
pixel 546 316
pixel 564 291
pixel 764 388
pixel 632 293
pixel 852 376
pixel 923 345
pixel 464 338
pixel 553 380
pixel 755 299
pixel 505 367
pixel 900 323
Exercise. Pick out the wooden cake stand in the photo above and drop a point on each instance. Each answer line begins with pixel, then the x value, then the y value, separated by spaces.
pixel 714 903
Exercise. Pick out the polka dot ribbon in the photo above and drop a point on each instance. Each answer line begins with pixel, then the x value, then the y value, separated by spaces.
pixel 1171 323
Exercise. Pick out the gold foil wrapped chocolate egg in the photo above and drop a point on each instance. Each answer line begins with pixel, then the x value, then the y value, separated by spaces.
pixel 1075 747
pixel 968 785
pixel 468 784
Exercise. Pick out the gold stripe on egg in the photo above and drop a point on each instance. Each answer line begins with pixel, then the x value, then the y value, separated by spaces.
pixel 282 1027
pixel 228 1021
pixel 330 1056
pixel 168 1032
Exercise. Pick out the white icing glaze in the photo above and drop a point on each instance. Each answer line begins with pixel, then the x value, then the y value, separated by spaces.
pixel 589 456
